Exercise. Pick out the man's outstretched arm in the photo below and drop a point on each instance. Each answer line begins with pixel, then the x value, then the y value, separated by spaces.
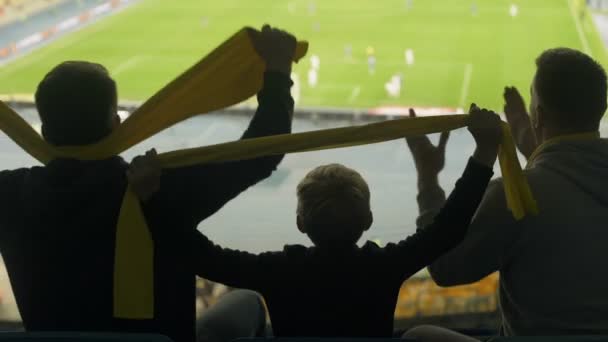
pixel 448 227
pixel 230 267
pixel 429 161
pixel 450 224
pixel 199 191
pixel 485 246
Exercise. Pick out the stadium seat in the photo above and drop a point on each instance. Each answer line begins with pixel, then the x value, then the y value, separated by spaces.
pixel 79 337
pixel 321 339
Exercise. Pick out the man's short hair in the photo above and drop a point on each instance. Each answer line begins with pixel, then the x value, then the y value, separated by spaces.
pixel 334 204
pixel 76 102
pixel 572 86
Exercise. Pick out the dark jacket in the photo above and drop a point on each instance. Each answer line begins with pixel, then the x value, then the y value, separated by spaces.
pixel 347 292
pixel 58 226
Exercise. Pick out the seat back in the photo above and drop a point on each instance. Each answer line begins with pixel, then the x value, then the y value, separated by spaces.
pixel 322 339
pixel 588 338
pixel 79 337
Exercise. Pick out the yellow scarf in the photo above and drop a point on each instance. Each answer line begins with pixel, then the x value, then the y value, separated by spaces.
pixel 232 73
pixel 560 139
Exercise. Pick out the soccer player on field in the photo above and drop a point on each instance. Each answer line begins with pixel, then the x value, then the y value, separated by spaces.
pixel 514 10
pixel 313 77
pixel 371 60
pixel 409 57
pixel 315 62
pixel 348 52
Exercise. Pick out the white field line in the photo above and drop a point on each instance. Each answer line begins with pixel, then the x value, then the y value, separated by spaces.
pixel 466 83
pixel 579 29
pixel 129 63
pixel 354 94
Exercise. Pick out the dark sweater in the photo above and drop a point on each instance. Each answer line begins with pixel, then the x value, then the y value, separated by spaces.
pixel 58 226
pixel 348 292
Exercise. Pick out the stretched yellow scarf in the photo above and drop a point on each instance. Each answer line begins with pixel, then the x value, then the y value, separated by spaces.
pixel 230 74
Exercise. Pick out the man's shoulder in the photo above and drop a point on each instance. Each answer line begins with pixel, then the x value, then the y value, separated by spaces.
pixel 11 185
pixel 303 254
pixel 370 247
pixel 294 251
pixel 289 255
pixel 16 176
pixel 288 251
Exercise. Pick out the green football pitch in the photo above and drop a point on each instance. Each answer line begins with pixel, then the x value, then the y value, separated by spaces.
pixel 465 50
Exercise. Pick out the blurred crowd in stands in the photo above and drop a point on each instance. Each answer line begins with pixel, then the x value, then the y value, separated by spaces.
pixel 13 10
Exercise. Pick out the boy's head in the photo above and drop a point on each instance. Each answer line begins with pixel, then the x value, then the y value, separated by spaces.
pixel 77 103
pixel 568 92
pixel 333 206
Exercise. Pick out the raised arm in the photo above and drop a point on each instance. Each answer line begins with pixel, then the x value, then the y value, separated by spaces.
pixel 230 267
pixel 486 246
pixel 493 230
pixel 519 120
pixel 450 225
pixel 429 161
pixel 199 191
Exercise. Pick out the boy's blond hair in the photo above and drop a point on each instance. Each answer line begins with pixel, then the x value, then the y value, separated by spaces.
pixel 334 205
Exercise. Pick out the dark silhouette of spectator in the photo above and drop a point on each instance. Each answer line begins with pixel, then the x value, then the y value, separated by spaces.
pixel 58 222
pixel 337 288
pixel 551 278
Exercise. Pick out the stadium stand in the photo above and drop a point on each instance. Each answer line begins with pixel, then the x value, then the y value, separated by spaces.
pixel 14 10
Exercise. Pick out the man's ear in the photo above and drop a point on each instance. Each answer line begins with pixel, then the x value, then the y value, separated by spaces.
pixel 369 221
pixel 300 224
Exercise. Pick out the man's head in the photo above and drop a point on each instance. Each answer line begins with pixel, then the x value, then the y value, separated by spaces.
pixel 77 103
pixel 333 206
pixel 568 93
